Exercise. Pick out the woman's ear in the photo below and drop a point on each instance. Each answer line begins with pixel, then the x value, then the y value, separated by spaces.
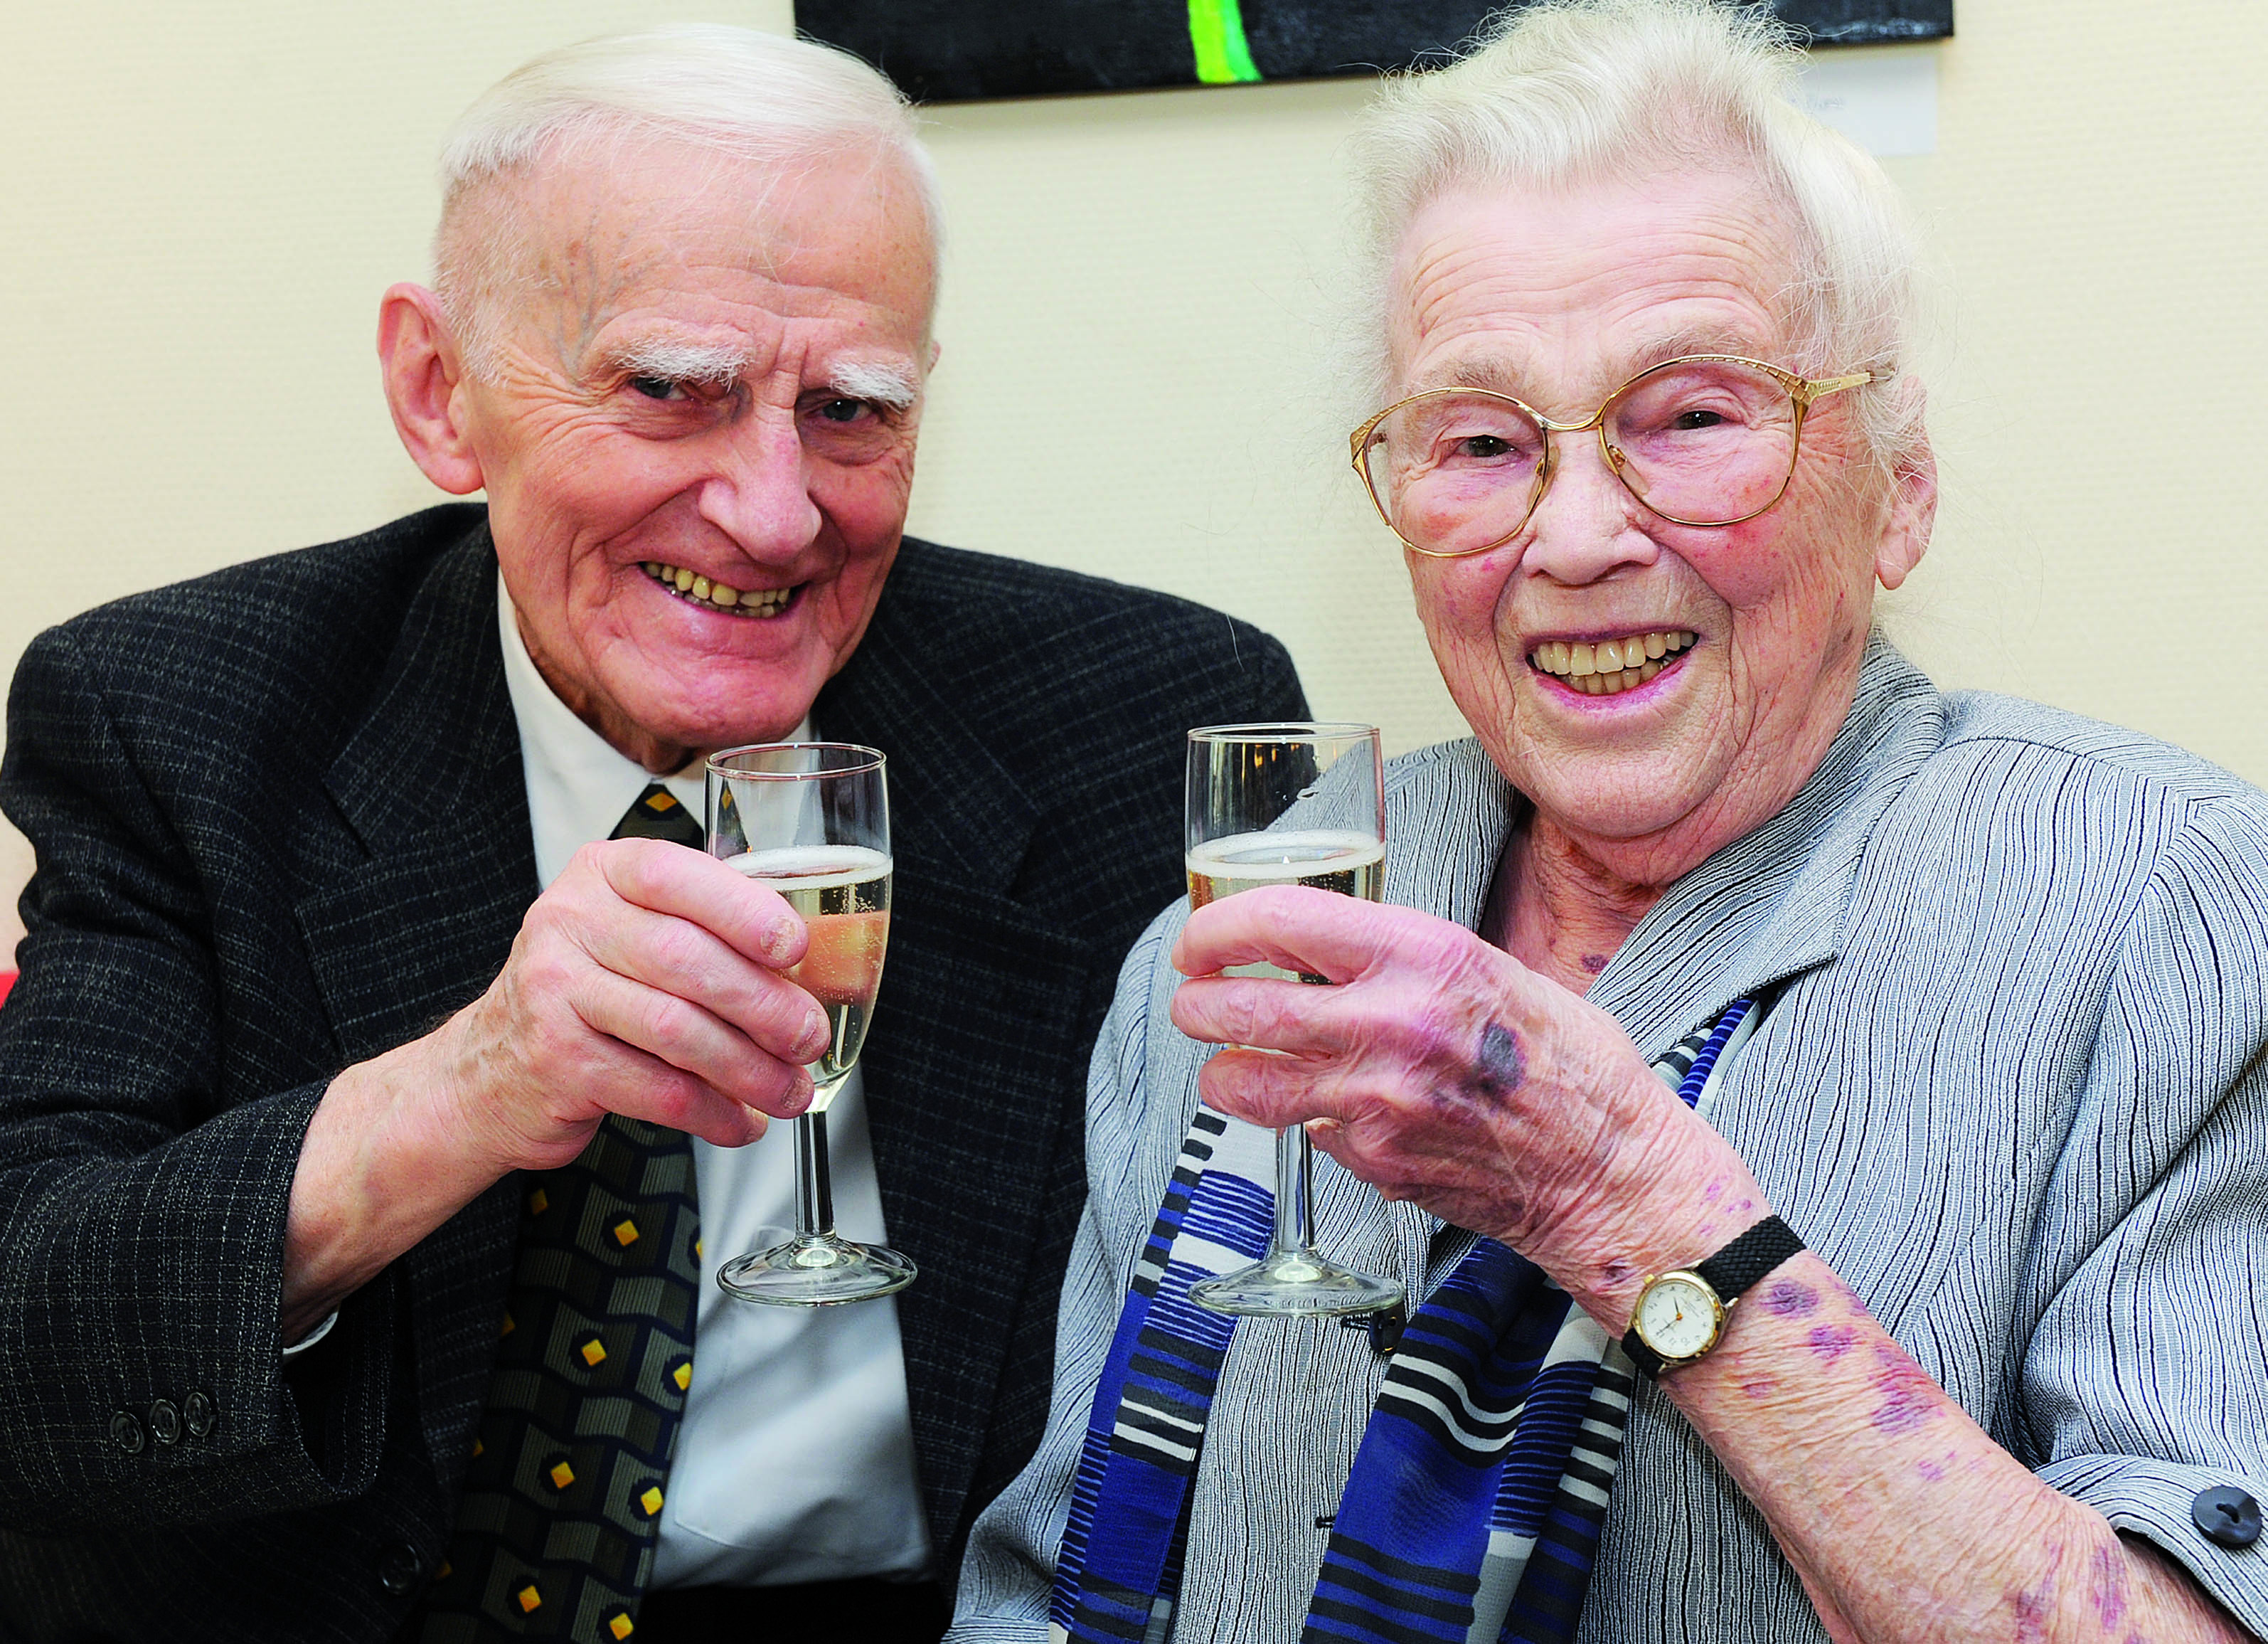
pixel 1913 513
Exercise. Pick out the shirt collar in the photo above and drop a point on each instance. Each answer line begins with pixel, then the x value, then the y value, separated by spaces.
pixel 1772 904
pixel 579 784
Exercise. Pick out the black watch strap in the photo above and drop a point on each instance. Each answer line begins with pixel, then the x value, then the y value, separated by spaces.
pixel 1748 1257
pixel 1730 1272
pixel 1648 1361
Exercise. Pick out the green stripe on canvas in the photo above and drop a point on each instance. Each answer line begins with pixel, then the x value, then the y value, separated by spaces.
pixel 1217 33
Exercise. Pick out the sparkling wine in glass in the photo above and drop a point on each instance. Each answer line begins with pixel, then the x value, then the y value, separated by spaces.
pixel 1293 804
pixel 811 822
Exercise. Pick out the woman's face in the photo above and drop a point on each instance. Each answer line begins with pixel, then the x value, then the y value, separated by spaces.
pixel 1559 299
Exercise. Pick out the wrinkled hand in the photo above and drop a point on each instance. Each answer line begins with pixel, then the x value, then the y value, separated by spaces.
pixel 1441 1069
pixel 646 981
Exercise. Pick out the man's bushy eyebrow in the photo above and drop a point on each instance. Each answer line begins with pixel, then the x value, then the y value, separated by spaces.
pixel 878 381
pixel 679 360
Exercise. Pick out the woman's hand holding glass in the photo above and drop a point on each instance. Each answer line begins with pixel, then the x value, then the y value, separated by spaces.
pixel 1442 1071
pixel 1270 807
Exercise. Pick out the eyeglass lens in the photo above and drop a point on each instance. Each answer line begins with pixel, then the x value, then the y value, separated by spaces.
pixel 1703 442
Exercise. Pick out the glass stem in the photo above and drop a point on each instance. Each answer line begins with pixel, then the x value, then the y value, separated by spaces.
pixel 1295 1205
pixel 815 1195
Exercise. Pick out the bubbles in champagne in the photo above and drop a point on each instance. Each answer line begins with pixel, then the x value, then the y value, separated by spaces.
pixel 843 891
pixel 1351 864
pixel 813 867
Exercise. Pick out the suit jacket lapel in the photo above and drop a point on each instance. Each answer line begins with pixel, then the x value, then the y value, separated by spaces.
pixel 968 1070
pixel 432 787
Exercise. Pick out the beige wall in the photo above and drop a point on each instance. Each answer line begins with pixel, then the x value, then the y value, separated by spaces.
pixel 202 203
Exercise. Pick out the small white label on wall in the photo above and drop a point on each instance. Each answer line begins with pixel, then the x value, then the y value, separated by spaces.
pixel 1884 99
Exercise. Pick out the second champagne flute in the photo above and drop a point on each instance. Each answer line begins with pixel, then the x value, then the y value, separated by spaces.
pixel 811 821
pixel 1295 804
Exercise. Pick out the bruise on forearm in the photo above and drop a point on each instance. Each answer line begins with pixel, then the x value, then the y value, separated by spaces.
pixel 1904 1519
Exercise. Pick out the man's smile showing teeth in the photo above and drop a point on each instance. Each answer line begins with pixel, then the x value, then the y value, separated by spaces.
pixel 699 590
pixel 1607 667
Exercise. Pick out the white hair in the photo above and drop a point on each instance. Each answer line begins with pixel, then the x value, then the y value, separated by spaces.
pixel 738 92
pixel 1565 92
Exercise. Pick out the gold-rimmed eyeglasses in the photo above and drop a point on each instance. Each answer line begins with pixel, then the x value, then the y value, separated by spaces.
pixel 1704 439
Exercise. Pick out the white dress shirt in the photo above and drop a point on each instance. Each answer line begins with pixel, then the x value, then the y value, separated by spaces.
pixel 795 1460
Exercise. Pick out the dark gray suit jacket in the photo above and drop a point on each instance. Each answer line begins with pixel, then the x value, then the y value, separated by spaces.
pixel 280 828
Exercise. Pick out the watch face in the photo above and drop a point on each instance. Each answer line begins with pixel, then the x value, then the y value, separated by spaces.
pixel 1678 1316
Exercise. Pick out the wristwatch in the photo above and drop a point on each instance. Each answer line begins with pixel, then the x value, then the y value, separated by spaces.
pixel 1681 1313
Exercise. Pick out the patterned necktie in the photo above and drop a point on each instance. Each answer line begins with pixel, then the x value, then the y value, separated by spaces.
pixel 561 1507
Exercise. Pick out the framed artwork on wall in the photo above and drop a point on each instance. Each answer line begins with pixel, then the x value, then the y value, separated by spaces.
pixel 943 51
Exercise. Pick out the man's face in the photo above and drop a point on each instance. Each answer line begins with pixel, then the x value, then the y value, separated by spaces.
pixel 1558 298
pixel 708 388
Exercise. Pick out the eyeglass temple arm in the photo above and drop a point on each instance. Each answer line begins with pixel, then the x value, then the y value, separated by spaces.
pixel 1807 389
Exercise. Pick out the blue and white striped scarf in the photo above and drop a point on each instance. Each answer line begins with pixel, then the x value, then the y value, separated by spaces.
pixel 1473 1509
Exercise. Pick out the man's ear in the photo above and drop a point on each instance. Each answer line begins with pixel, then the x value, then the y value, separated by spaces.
pixel 1913 513
pixel 418 355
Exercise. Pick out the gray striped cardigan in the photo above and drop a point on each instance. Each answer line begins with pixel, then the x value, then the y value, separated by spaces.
pixel 2011 1088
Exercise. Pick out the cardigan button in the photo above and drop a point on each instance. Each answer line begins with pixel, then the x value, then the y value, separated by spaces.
pixel 2227 1517
pixel 126 1432
pixel 197 1414
pixel 165 1421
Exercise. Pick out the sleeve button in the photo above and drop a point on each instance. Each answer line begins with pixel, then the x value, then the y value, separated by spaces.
pixel 2227 1517
pixel 165 1422
pixel 197 1415
pixel 126 1432
pixel 398 1567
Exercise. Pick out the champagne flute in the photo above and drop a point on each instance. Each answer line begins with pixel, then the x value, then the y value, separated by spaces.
pixel 1293 804
pixel 811 821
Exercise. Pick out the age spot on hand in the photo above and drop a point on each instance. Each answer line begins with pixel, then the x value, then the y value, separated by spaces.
pixel 1791 1299
pixel 1595 963
pixel 1499 1066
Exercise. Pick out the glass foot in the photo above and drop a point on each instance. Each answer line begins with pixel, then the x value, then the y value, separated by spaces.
pixel 815 1271
pixel 1295 1284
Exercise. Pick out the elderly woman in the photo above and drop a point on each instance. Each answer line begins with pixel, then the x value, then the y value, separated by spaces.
pixel 1942 1319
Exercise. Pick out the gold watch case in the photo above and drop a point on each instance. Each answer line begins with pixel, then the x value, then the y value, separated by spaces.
pixel 1679 1316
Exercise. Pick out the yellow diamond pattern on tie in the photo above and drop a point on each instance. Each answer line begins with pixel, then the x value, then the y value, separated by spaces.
pixel 573 1449
pixel 658 815
pixel 562 1492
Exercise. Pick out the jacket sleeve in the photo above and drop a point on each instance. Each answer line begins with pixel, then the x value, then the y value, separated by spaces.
pixel 142 1210
pixel 2145 1381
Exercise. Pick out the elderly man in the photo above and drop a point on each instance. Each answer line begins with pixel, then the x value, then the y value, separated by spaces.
pixel 1940 1317
pixel 357 1212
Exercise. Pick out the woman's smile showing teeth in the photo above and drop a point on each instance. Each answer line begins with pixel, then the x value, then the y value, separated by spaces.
pixel 1607 667
pixel 696 589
